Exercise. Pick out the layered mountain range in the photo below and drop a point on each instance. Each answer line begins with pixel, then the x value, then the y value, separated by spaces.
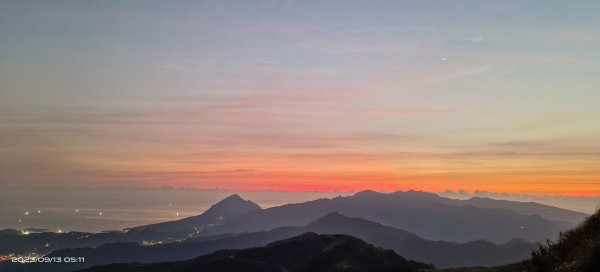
pixel 308 252
pixel 415 225
pixel 426 214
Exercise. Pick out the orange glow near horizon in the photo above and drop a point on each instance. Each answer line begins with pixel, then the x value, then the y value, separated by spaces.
pixel 355 171
pixel 289 170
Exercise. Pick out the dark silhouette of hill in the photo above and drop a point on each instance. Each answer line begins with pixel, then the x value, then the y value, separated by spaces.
pixel 334 223
pixel 406 244
pixel 217 214
pixel 412 211
pixel 9 232
pixel 577 250
pixel 409 245
pixel 308 252
pixel 516 267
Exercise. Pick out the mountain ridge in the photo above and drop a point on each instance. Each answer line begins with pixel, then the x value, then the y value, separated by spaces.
pixel 228 208
pixel 412 212
pixel 308 252
pixel 406 244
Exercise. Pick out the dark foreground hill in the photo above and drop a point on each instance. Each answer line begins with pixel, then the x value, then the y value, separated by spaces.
pixel 577 250
pixel 309 252
pixel 516 267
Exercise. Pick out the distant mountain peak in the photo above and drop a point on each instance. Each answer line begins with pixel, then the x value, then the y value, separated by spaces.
pixel 231 206
pixel 335 222
pixel 225 209
pixel 332 217
pixel 371 193
pixel 367 193
pixel 416 193
pixel 232 198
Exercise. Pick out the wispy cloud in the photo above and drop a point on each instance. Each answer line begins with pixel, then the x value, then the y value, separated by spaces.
pixel 406 111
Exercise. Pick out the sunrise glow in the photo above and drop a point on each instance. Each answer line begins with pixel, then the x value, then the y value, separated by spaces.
pixel 301 96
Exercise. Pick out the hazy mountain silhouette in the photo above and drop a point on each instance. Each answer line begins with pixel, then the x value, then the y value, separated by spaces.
pixel 398 216
pixel 409 245
pixel 420 212
pixel 217 214
pixel 525 208
pixel 577 250
pixel 412 211
pixel 308 252
pixel 9 232
pixel 333 223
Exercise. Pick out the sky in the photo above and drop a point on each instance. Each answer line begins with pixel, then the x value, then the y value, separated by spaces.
pixel 301 95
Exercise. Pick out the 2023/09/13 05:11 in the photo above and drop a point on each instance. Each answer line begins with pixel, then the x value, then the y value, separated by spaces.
pixel 47 259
